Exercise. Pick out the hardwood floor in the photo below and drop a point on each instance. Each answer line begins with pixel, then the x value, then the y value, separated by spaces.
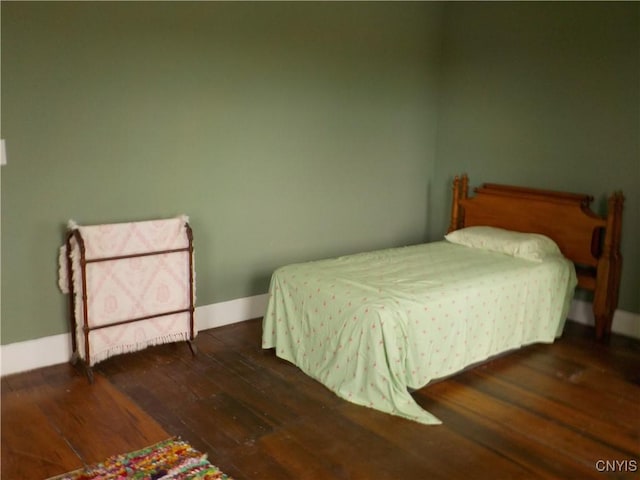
pixel 53 421
pixel 567 410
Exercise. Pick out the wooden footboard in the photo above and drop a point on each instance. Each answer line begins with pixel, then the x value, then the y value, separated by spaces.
pixel 590 241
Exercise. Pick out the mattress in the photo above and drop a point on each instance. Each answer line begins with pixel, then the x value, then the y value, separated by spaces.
pixel 375 325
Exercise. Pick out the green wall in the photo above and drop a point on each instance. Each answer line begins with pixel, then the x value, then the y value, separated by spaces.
pixel 544 95
pixel 295 131
pixel 286 131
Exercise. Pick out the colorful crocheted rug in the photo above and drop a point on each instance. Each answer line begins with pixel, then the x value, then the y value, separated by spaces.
pixel 172 459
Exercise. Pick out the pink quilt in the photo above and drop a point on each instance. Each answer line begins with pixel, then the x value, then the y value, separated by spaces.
pixel 128 288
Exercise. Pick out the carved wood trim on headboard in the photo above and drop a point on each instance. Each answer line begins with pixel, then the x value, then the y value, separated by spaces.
pixel 590 241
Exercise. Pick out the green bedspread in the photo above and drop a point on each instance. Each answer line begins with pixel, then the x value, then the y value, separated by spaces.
pixel 372 326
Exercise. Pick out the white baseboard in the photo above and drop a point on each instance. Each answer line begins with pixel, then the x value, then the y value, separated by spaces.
pixel 624 323
pixel 233 311
pixel 43 352
pixel 32 354
pixel 47 351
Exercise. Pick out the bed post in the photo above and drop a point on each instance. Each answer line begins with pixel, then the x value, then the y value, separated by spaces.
pixel 609 268
pixel 460 191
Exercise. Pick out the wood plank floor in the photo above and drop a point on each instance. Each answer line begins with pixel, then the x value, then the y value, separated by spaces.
pixel 566 410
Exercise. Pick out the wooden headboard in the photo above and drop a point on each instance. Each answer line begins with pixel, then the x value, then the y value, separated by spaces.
pixel 590 241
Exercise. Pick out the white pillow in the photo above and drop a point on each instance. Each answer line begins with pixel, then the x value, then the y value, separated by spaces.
pixel 530 246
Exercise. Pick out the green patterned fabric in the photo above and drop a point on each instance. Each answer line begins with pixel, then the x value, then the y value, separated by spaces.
pixel 372 326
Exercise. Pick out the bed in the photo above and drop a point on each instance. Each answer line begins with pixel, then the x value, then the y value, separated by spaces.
pixel 374 326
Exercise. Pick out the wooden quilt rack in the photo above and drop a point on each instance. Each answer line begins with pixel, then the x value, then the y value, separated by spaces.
pixel 84 357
